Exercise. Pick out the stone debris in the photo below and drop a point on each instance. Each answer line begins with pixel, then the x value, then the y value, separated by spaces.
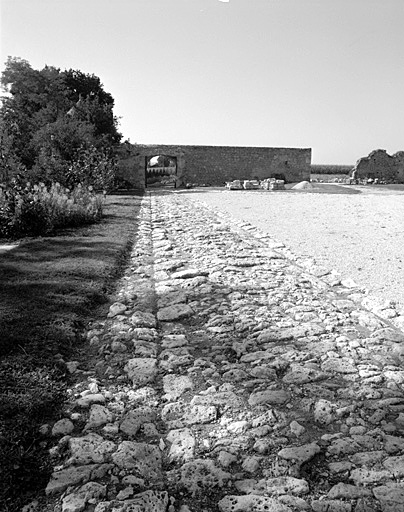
pixel 232 376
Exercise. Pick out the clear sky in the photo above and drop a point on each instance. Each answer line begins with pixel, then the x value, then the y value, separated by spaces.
pixel 325 74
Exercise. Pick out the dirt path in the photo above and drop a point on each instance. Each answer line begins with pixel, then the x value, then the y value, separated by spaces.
pixel 361 236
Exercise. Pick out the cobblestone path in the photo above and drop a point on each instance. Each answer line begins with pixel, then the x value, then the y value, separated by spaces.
pixel 231 376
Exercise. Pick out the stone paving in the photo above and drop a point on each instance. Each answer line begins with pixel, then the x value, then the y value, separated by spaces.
pixel 232 376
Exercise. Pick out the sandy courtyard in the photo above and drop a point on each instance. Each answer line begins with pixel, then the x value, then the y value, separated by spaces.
pixel 359 235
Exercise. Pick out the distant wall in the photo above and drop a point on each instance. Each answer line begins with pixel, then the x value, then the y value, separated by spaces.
pixel 213 165
pixel 379 164
pixel 331 169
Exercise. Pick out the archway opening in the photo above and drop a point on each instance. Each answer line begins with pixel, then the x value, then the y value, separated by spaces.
pixel 161 171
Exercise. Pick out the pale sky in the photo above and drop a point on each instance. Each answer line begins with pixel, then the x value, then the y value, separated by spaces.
pixel 324 74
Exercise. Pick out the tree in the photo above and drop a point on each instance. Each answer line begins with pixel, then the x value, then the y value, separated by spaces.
pixel 49 116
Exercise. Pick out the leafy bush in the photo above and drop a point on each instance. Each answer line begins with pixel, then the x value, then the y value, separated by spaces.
pixel 32 210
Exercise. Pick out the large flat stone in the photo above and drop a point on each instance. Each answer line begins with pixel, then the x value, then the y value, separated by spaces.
pixel 140 458
pixel 176 385
pixel 148 501
pixel 273 486
pixel 141 370
pixel 134 419
pixel 198 414
pixel 270 396
pixel 395 465
pixel 183 444
pixel 390 496
pixel 61 480
pixel 251 503
pixel 174 312
pixel 200 475
pixel 90 448
pixel 143 319
pixel 300 454
pixel 99 415
pixel 188 273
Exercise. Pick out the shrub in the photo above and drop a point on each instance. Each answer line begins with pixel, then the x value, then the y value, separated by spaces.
pixel 32 210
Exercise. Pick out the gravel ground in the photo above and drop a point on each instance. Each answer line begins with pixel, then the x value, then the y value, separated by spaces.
pixel 359 235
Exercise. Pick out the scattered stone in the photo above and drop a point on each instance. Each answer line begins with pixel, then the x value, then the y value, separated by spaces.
pixel 89 449
pixel 77 501
pixel 395 465
pixel 116 309
pixel 198 414
pixel 298 374
pixel 87 400
pixel 339 366
pixel 272 397
pixel 297 429
pixel 134 419
pixel 363 476
pixel 390 496
pixel 324 412
pixel 143 319
pixel 174 312
pixel 156 501
pixel 174 341
pixel 99 415
pixel 226 459
pixel 142 458
pixel 188 273
pixel 72 366
pixel 61 480
pixel 62 427
pixel 176 385
pixel 274 486
pixel 141 370
pixel 330 506
pixel 182 444
pixel 200 475
pixel 251 464
pixel 251 503
pixel 347 491
pixel 300 454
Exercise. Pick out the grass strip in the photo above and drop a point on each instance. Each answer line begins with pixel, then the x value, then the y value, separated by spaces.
pixel 50 288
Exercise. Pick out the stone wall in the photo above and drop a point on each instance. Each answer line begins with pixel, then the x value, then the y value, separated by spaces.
pixel 379 164
pixel 213 165
pixel 331 169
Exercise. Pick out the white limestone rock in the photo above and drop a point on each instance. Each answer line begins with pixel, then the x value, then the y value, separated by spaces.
pixel 91 448
pixel 99 415
pixel 116 309
pixel 143 319
pixel 141 370
pixel 176 385
pixel 182 444
pixel 140 458
pixel 174 312
pixel 251 502
pixel 150 501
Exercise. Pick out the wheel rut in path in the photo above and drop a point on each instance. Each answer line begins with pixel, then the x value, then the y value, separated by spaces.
pixel 227 377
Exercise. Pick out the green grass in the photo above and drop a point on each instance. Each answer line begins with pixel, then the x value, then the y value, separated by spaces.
pixel 50 288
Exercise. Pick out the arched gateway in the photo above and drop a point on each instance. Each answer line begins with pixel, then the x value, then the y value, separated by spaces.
pixel 213 165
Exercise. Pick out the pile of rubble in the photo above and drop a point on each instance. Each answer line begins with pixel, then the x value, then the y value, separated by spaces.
pixel 267 184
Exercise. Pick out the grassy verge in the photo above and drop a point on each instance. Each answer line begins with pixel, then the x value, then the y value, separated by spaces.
pixel 50 288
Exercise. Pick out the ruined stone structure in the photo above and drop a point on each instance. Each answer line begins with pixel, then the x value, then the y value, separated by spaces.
pixel 379 164
pixel 214 165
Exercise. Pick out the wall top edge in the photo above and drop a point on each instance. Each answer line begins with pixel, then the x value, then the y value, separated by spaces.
pixel 150 146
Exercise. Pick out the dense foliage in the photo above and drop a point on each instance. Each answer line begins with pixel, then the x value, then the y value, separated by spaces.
pixel 56 126
pixel 32 210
